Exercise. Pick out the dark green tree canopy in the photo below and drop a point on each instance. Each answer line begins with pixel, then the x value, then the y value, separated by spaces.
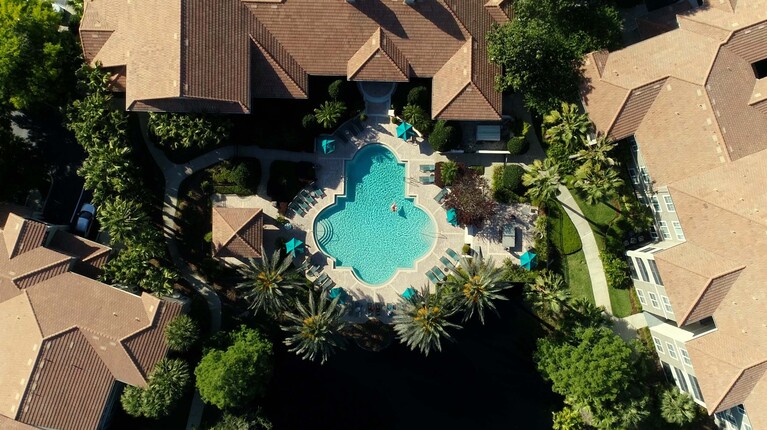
pixel 232 377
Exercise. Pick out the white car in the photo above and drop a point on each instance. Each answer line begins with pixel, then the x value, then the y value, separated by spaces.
pixel 85 218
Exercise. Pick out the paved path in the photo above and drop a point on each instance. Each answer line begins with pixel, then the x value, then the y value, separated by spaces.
pixel 174 175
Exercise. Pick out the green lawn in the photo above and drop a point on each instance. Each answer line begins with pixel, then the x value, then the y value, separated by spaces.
pixel 578 276
pixel 562 232
pixel 600 216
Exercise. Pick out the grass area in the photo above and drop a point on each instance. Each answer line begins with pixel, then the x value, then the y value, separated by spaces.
pixel 578 276
pixel 562 232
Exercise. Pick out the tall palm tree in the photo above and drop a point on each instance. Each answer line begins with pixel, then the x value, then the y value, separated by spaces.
pixel 421 321
pixel 543 180
pixel 597 183
pixel 677 407
pixel 329 113
pixel 549 295
pixel 566 126
pixel 315 327
pixel 269 283
pixel 474 285
pixel 598 152
pixel 123 219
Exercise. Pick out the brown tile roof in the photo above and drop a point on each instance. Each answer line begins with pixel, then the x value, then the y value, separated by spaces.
pixel 231 50
pixel 91 256
pixel 67 338
pixel 10 424
pixel 21 235
pixel 237 232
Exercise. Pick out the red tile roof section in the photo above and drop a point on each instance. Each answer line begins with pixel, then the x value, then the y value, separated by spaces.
pixel 237 232
pixel 378 59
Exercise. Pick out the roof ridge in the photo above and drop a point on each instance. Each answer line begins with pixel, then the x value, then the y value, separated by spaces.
pixel 740 375
pixel 236 231
pixel 40 269
pixel 677 189
pixel 626 100
pixel 703 291
pixel 265 51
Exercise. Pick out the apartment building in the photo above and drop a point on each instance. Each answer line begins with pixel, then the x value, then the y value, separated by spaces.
pixel 692 104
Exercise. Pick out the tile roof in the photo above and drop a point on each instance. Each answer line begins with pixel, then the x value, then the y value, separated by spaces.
pixel 704 137
pixel 230 51
pixel 237 232
pixel 90 256
pixel 66 338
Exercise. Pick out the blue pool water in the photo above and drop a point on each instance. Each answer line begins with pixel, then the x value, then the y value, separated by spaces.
pixel 361 232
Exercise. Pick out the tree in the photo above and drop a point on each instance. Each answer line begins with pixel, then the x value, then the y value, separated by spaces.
pixel 242 422
pixel 416 115
pixel 471 199
pixel 37 61
pixel 542 179
pixel 329 113
pixel 269 282
pixel 165 387
pixel 421 322
pixel 549 295
pixel 122 219
pixel 597 152
pixel 449 172
pixel 139 265
pixel 418 96
pixel 232 377
pixel 566 126
pixel 567 419
pixel 21 166
pixel 536 61
pixel 677 407
pixel 582 313
pixel 186 130
pixel 336 89
pixel 315 328
pixel 597 183
pixel 593 369
pixel 182 333
pixel 444 136
pixel 474 285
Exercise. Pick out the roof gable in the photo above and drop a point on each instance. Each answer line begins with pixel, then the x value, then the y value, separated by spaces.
pixel 237 232
pixel 378 59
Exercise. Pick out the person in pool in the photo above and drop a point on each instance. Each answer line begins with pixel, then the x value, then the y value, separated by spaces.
pixel 394 206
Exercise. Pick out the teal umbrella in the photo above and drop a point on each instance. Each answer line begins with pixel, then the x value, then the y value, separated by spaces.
pixel 338 292
pixel 405 131
pixel 409 293
pixel 528 260
pixel 328 145
pixel 452 216
pixel 294 245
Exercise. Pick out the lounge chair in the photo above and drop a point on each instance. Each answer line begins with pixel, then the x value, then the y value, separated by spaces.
pixel 509 237
pixel 427 167
pixel 321 279
pixel 432 278
pixel 441 196
pixel 453 255
pixel 317 191
pixel 313 270
pixel 448 264
pixel 440 274
pixel 296 209
pixel 302 204
pixel 308 196
pixel 426 180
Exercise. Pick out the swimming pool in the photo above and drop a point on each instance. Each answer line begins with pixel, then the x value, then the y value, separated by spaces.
pixel 360 230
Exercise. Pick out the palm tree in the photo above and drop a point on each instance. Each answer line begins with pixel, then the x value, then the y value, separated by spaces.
pixel 597 183
pixel 566 126
pixel 315 327
pixel 549 295
pixel 597 152
pixel 449 172
pixel 543 180
pixel 633 414
pixel 269 282
pixel 421 321
pixel 473 286
pixel 329 113
pixel 123 219
pixel 582 313
pixel 677 407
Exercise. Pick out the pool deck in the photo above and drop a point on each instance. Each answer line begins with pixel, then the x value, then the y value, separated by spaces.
pixel 330 177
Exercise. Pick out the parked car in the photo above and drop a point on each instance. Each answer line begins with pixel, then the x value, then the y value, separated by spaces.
pixel 85 218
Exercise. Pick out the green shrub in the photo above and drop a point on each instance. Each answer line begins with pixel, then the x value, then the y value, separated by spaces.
pixel 240 175
pixel 336 89
pixel 507 183
pixel 559 153
pixel 208 237
pixel 177 130
pixel 308 121
pixel 418 116
pixel 418 96
pixel 182 333
pixel 444 136
pixel 449 172
pixel 517 145
pixel 466 250
pixel 616 270
pixel 166 385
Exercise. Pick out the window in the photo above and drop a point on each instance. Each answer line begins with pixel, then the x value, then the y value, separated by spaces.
pixel 654 300
pixel 695 388
pixel 655 204
pixel 642 270
pixel 655 272
pixel 664 230
pixel 678 230
pixel 681 380
pixel 632 269
pixel 760 69
pixel 653 234
pixel 645 175
pixel 667 304
pixel 671 350
pixel 669 204
pixel 633 176
pixel 658 344
pixel 741 409
pixel 685 357
pixel 640 294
